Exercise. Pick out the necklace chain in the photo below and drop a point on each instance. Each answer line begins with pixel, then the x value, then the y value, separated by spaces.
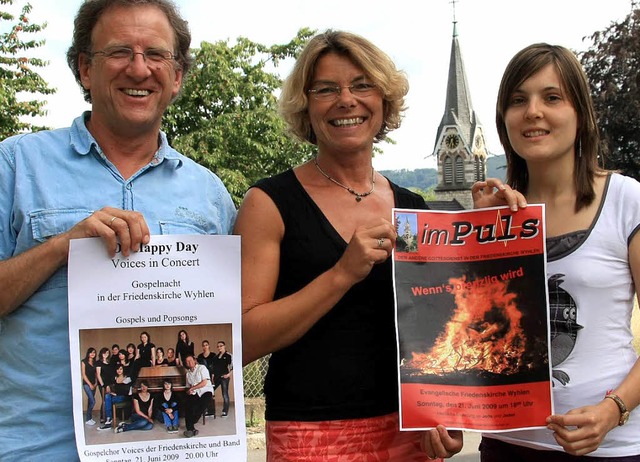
pixel 358 195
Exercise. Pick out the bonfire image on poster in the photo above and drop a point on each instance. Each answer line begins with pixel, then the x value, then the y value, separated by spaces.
pixel 472 319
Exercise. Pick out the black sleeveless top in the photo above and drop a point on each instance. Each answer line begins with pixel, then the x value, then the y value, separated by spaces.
pixel 345 366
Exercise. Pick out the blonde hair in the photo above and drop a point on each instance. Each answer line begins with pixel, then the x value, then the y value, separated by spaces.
pixel 376 64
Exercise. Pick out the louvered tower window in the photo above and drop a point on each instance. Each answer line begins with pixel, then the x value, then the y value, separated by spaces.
pixel 479 164
pixel 448 170
pixel 459 175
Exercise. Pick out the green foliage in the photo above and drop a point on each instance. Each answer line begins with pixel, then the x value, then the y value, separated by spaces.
pixel 226 116
pixel 612 65
pixel 18 75
pixel 403 246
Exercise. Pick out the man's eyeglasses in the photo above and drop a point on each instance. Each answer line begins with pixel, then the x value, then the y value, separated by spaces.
pixel 126 55
pixel 331 92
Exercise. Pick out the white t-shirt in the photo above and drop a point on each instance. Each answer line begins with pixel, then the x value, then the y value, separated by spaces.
pixel 196 376
pixel 591 295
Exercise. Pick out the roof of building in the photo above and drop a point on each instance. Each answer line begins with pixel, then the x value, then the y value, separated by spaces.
pixel 452 205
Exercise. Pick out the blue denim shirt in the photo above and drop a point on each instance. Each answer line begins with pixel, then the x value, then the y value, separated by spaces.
pixel 49 181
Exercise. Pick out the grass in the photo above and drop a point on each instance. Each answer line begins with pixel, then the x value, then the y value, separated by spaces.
pixel 254 413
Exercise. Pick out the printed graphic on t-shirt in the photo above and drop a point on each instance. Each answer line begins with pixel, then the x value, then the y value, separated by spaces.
pixel 564 326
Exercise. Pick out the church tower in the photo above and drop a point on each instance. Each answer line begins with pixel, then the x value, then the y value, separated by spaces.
pixel 460 146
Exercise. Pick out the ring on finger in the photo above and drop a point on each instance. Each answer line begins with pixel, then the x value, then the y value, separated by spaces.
pixel 112 220
pixel 380 242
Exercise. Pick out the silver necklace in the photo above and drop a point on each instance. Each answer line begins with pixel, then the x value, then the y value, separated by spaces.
pixel 358 195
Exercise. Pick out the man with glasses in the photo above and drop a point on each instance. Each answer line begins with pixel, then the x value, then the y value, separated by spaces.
pixel 111 175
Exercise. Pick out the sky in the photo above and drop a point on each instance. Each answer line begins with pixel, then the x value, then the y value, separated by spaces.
pixel 417 35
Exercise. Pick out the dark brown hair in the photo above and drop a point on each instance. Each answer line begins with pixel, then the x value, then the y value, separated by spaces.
pixel 523 65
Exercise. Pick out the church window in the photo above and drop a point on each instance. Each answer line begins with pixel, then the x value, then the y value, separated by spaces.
pixel 459 173
pixel 448 170
pixel 479 167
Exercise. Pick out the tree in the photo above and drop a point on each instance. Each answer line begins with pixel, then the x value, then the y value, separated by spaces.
pixel 18 76
pixel 226 116
pixel 612 64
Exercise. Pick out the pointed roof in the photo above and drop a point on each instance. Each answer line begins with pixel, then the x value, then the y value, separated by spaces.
pixel 458 108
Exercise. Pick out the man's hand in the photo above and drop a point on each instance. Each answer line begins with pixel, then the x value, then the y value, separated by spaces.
pixel 21 276
pixel 112 225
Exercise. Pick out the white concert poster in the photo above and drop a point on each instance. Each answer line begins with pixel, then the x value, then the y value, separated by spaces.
pixel 133 322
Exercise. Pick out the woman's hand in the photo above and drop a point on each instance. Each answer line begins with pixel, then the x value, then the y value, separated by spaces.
pixel 438 442
pixel 581 430
pixel 493 192
pixel 369 246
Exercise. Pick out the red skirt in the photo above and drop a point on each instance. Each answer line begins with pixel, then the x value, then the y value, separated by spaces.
pixel 374 439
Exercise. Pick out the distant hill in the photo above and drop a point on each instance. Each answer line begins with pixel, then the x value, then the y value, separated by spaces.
pixel 425 178
pixel 421 178
pixel 497 167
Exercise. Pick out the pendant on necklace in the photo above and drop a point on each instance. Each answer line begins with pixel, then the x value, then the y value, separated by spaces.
pixel 358 195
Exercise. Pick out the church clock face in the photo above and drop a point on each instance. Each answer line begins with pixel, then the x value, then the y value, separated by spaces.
pixel 451 141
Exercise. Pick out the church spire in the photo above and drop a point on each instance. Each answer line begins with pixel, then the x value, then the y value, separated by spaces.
pixel 458 107
pixel 460 148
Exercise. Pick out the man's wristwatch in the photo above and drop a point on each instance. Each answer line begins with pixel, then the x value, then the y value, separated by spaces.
pixel 624 412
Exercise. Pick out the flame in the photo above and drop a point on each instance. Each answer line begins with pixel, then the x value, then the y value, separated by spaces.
pixel 484 333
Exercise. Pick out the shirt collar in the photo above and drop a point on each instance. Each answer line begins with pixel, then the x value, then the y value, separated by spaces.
pixel 82 141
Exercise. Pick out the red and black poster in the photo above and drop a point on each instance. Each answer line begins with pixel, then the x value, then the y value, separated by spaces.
pixel 472 319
